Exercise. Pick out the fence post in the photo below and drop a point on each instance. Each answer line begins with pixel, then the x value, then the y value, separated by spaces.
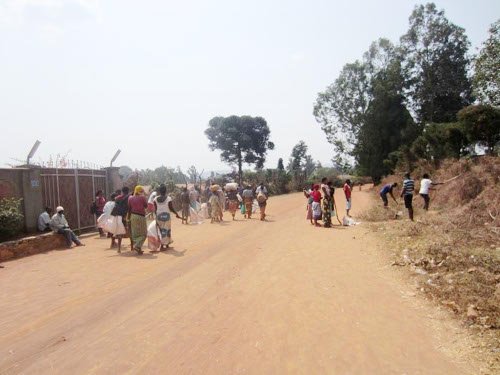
pixel 77 193
pixel 93 192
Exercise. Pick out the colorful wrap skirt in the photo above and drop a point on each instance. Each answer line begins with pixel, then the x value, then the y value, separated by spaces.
pixel 138 229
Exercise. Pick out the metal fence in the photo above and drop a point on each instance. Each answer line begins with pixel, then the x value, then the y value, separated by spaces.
pixel 74 189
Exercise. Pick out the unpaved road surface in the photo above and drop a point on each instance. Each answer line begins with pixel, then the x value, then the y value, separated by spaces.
pixel 254 297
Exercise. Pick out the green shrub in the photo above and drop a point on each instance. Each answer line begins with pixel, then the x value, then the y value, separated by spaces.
pixel 11 218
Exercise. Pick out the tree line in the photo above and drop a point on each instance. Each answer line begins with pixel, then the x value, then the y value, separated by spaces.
pixel 424 97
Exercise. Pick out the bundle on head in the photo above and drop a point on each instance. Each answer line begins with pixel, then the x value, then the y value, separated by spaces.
pixel 214 188
pixel 233 186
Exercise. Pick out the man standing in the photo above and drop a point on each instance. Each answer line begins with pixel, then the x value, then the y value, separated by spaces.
pixel 387 189
pixel 60 226
pixel 44 220
pixel 425 186
pixel 407 194
pixel 347 191
pixel 262 196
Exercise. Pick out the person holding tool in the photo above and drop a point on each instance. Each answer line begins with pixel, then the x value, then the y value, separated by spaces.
pixel 387 189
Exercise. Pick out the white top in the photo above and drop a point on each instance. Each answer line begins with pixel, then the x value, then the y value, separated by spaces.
pixel 152 197
pixel 108 207
pixel 424 186
pixel 58 222
pixel 162 206
pixel 43 220
pixel 327 189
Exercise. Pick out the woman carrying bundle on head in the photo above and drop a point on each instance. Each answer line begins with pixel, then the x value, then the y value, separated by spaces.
pixel 232 195
pixel 160 230
pixel 215 204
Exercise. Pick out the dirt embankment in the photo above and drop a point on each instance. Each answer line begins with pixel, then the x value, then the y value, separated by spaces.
pixel 454 249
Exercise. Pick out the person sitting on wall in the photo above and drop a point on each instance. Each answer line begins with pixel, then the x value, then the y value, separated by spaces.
pixel 59 225
pixel 44 220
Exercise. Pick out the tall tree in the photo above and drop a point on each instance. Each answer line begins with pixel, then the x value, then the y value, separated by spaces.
pixel 297 158
pixel 309 165
pixel 388 123
pixel 341 109
pixel 487 69
pixel 193 174
pixel 435 66
pixel 242 139
pixel 281 167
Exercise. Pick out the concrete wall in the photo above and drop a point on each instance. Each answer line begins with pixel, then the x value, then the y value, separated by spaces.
pixel 26 184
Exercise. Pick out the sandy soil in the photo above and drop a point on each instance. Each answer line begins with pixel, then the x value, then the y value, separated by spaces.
pixel 241 297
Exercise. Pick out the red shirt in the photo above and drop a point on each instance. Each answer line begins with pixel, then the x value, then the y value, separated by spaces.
pixel 100 202
pixel 347 191
pixel 316 194
pixel 137 204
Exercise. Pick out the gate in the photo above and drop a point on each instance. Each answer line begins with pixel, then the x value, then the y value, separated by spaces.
pixel 74 189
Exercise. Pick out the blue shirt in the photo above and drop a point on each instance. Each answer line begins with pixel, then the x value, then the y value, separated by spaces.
pixel 386 189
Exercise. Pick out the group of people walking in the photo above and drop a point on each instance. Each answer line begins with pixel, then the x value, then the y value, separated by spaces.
pixel 321 202
pixel 125 214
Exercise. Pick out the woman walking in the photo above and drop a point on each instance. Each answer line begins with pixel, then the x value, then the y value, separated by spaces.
pixel 327 206
pixel 248 201
pixel 137 205
pixel 163 211
pixel 233 201
pixel 116 224
pixel 106 213
pixel 215 207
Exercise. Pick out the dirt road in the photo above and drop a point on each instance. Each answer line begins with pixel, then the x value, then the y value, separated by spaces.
pixel 241 297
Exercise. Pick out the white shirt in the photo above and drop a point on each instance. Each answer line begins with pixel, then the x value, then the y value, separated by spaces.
pixel 152 197
pixel 43 220
pixel 424 186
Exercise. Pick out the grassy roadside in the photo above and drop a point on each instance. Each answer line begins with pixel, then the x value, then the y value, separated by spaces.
pixel 453 251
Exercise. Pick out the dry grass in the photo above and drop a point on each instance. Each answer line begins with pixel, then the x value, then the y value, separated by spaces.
pixel 454 249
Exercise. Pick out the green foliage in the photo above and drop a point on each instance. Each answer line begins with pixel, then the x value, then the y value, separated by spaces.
pixel 341 109
pixel 11 218
pixel 487 69
pixel 242 139
pixel 281 167
pixel 330 173
pixel 482 125
pixel 162 175
pixel 435 65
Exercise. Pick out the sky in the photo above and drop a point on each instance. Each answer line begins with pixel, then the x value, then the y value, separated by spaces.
pixel 88 77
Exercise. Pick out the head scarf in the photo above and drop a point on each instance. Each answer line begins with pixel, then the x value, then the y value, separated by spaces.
pixel 316 186
pixel 59 209
pixel 138 190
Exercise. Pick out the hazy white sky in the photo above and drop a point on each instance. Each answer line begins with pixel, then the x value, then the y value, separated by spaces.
pixel 92 76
